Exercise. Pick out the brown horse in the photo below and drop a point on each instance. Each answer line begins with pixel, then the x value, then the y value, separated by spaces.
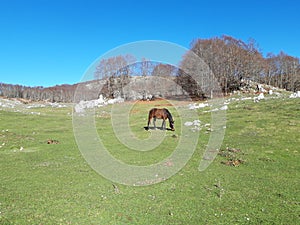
pixel 163 114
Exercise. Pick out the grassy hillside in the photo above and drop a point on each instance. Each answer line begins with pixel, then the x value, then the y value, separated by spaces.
pixel 253 180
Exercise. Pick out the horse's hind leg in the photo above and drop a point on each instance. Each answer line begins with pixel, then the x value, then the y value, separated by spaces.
pixel 149 119
pixel 154 119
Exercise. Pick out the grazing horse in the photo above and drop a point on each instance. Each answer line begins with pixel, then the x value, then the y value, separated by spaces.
pixel 164 114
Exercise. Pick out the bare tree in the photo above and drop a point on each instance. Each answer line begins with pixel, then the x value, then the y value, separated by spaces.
pixel 230 59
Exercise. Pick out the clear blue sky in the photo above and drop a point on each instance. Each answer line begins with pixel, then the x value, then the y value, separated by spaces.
pixel 49 42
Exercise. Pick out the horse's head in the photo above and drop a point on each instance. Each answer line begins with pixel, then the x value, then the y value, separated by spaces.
pixel 172 125
pixel 170 118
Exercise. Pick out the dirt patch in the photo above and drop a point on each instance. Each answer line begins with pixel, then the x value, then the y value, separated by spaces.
pixel 135 111
pixel 163 105
pixel 51 141
pixel 233 156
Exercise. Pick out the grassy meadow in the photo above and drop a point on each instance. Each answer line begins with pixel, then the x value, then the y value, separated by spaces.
pixel 254 180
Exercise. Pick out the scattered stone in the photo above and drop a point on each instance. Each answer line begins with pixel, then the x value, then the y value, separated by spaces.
pixel 225 107
pixel 259 97
pixel 83 105
pixel 200 105
pixel 195 125
pixel 188 123
pixel 295 95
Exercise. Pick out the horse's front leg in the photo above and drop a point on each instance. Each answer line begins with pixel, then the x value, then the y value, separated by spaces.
pixel 154 119
pixel 163 125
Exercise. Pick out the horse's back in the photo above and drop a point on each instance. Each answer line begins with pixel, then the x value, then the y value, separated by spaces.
pixel 152 111
pixel 158 113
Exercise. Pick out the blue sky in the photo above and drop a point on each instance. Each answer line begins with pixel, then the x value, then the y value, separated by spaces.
pixel 49 42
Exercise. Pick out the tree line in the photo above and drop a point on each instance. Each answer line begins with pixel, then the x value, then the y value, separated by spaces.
pixel 230 60
pixel 58 93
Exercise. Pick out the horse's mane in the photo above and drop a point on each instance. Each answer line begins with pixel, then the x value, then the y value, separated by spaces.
pixel 169 115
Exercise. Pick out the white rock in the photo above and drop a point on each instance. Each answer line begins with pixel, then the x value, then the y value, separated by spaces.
pixel 198 106
pixel 225 107
pixel 259 97
pixel 196 122
pixel 295 95
pixel 188 123
pixel 82 105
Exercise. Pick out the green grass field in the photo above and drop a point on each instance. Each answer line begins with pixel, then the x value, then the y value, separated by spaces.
pixel 52 183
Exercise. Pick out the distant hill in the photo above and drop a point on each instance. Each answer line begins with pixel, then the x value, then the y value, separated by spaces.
pixel 130 88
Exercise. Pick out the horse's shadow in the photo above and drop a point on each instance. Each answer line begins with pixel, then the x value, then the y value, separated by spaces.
pixel 157 128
